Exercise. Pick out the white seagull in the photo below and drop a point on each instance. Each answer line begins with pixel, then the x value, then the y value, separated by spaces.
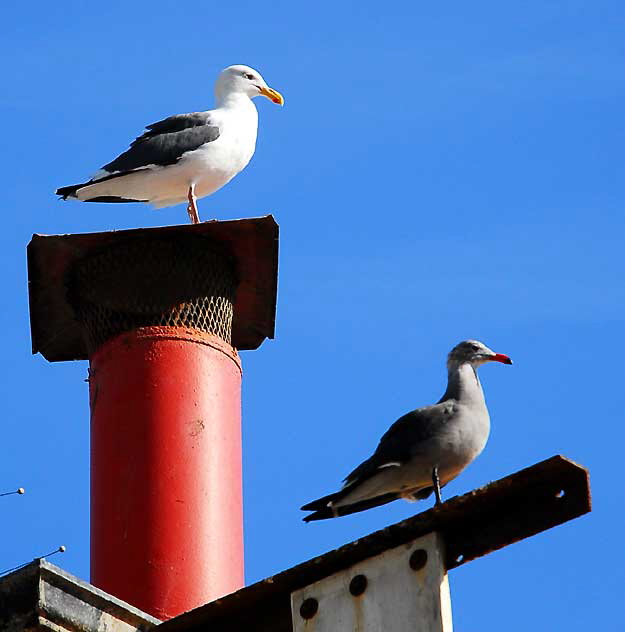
pixel 186 156
pixel 426 448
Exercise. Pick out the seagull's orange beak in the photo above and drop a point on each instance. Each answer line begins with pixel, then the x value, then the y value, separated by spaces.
pixel 272 95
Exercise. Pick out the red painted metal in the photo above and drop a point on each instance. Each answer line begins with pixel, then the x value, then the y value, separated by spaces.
pixel 166 501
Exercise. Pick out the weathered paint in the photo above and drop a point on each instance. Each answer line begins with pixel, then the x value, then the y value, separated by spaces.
pixel 40 597
pixel 166 500
pixel 390 595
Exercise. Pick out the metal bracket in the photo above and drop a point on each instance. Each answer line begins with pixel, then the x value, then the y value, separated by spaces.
pixel 400 590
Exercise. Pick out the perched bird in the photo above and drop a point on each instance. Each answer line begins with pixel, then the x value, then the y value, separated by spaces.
pixel 186 156
pixel 426 448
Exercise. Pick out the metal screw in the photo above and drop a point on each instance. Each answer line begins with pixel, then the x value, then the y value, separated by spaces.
pixel 358 585
pixel 309 608
pixel 418 559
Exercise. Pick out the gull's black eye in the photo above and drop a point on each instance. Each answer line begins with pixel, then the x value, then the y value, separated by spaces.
pixel 248 76
pixel 474 348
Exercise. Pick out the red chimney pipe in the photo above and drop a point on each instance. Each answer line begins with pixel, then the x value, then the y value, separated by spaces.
pixel 159 313
pixel 166 504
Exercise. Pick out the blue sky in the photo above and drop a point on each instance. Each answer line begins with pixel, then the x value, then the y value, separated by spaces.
pixel 438 173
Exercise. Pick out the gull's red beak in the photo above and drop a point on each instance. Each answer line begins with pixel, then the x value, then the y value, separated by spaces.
pixel 500 357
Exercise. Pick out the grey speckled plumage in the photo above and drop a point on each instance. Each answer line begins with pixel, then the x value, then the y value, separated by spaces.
pixel 433 441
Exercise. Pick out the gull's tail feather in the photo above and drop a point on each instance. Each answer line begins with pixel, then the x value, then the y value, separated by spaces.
pixel 323 502
pixel 97 193
pixel 323 509
pixel 70 191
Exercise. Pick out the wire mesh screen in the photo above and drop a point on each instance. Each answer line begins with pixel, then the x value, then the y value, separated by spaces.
pixel 182 281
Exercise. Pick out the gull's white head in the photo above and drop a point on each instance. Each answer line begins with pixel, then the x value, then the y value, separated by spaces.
pixel 475 353
pixel 244 80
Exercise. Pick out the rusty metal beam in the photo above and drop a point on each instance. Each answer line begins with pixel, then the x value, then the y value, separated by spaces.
pixel 508 510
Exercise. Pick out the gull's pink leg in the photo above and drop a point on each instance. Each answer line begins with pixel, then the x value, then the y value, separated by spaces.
pixel 192 208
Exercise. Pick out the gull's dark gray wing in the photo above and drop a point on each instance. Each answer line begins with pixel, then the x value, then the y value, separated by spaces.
pixel 166 141
pixel 402 440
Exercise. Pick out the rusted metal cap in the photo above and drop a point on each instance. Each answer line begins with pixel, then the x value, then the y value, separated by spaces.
pixel 84 287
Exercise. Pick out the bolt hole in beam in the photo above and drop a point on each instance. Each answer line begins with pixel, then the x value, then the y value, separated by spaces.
pixel 309 608
pixel 418 559
pixel 358 585
pixel 460 559
pixel 560 494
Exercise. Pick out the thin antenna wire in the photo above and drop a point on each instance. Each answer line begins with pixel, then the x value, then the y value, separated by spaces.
pixel 19 490
pixel 61 549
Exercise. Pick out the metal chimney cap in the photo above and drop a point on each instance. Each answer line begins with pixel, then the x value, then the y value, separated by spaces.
pixel 252 243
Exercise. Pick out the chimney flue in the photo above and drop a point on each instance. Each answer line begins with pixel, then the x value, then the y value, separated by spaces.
pixel 161 312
